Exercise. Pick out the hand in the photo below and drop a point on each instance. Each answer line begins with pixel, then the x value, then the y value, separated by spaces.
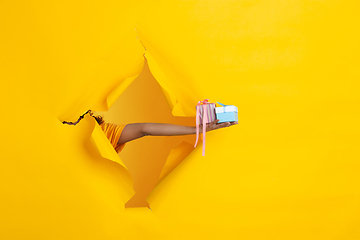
pixel 215 125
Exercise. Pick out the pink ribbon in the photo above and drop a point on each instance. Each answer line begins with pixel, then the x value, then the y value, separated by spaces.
pixel 204 121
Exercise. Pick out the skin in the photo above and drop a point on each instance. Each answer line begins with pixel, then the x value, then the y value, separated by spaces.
pixel 137 130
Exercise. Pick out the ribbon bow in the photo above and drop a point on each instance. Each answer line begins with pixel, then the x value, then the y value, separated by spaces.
pixel 222 104
pixel 204 121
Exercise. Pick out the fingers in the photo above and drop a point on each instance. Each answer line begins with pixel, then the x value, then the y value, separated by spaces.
pixel 216 125
pixel 225 124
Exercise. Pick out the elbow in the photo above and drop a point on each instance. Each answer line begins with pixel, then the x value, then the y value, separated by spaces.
pixel 145 130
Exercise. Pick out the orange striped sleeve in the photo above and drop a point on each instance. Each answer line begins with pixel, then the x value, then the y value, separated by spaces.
pixel 113 133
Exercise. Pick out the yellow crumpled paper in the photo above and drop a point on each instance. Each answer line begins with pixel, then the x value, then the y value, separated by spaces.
pixel 288 170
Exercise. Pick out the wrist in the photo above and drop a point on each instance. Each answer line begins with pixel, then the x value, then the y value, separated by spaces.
pixel 201 129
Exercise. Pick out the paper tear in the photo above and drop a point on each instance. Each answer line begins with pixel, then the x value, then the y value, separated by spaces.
pixel 169 96
pixel 106 150
pixel 115 94
pixel 103 145
pixel 175 157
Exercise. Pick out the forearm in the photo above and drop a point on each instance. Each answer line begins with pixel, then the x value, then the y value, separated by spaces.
pixel 164 129
pixel 137 130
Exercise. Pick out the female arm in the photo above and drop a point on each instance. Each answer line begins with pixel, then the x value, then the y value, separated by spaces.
pixel 138 130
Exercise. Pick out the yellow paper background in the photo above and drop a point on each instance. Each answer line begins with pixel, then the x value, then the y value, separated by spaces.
pixel 289 170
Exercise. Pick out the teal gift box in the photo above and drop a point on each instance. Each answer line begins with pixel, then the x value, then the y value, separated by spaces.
pixel 226 113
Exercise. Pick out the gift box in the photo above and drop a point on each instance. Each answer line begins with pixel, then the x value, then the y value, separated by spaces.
pixel 210 111
pixel 226 113
pixel 205 113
